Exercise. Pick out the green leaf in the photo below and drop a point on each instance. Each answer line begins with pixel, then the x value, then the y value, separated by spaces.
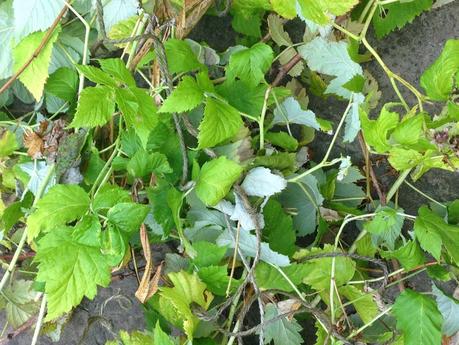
pixel 317 10
pixel 418 318
pixel 109 196
pixel 187 289
pixel 208 254
pixel 402 159
pixel 319 274
pixel 35 75
pixel 250 64
pixel 118 70
pixel 95 107
pixel 8 143
pixel 216 179
pixel 397 15
pixel 278 229
pixel 7 30
pixel 69 269
pixel 158 198
pixel 216 278
pixel 376 132
pixel 63 84
pixel 221 122
pixel 290 111
pixel 186 96
pixel 385 227
pixel 136 338
pixel 449 308
pixel 96 75
pixel 331 58
pixel 34 15
pixel 438 79
pixel 180 57
pixel 20 302
pixel 160 337
pixel 282 332
pixel 139 111
pixel 62 204
pixel 431 230
pixel 409 131
pixel 362 302
pixel 143 164
pixel 409 255
pixel 247 15
pixel 285 8
pixel 87 232
pixel 127 216
pixel 453 212
pixel 269 277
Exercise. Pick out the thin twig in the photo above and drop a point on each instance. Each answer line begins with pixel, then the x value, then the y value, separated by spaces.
pixel 283 70
pixel 37 51
pixel 41 315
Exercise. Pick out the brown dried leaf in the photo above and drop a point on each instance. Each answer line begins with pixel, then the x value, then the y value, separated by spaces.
pixel 34 144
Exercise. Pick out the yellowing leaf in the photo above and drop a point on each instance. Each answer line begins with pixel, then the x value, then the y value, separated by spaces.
pixel 35 75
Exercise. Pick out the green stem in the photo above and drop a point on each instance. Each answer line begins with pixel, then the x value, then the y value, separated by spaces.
pixel 262 118
pixel 397 184
pixel 365 326
pixel 424 194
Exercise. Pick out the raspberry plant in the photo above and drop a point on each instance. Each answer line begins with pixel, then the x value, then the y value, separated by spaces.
pixel 138 135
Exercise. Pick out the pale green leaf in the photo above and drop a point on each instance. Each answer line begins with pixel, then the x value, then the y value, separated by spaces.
pixel 385 227
pixel 118 10
pixel 62 204
pixel 35 75
pixel 7 32
pixel 95 107
pixel 221 122
pixel 418 318
pixel 186 96
pixel 250 64
pixel 331 58
pixel 70 270
pixel 290 111
pixel 449 308
pixel 276 29
pixel 20 301
pixel 216 179
pixel 34 15
pixel 282 332
pixel 438 79
pixel 263 183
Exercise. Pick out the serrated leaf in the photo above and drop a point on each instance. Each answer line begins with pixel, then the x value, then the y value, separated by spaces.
pixel 180 56
pixel 376 132
pixel 317 10
pixel 188 288
pixel 62 204
pixel 63 83
pixel 208 254
pixel 331 58
pixel 431 230
pixel 109 196
pixel 143 164
pixel 34 15
pixel 118 70
pixel 385 227
pixel 216 278
pixel 409 255
pixel 418 318
pixel 8 143
pixel 160 337
pixel 409 131
pixel 278 228
pixel 96 75
pixel 276 29
pixel 95 107
pixel 449 309
pixel 127 216
pixel 362 302
pixel 269 277
pixel 282 332
pixel 402 159
pixel 20 302
pixel 216 179
pixel 285 8
pixel 186 96
pixel 139 111
pixel 438 79
pixel 122 29
pixel 397 15
pixel 35 75
pixel 118 10
pixel 69 270
pixel 263 183
pixel 7 30
pixel 290 111
pixel 250 64
pixel 221 122
pixel 248 245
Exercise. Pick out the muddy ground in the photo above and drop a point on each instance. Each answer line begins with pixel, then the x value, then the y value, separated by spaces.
pixel 407 52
